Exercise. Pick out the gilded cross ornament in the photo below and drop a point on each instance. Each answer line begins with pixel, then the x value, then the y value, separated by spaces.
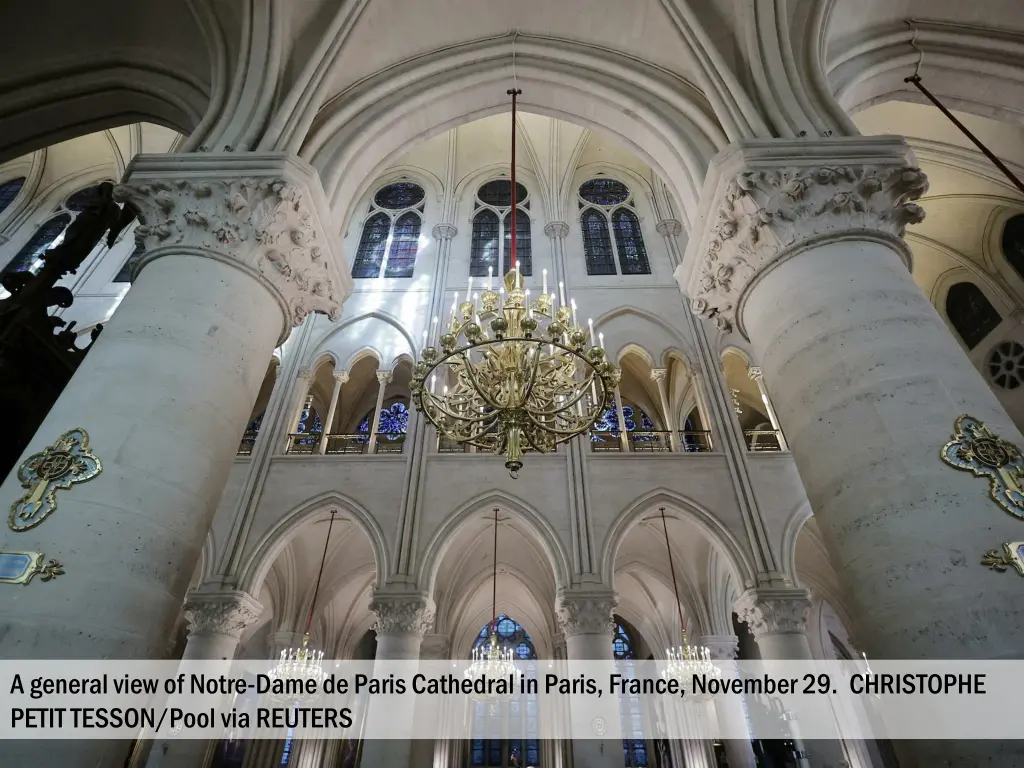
pixel 57 467
pixel 1011 555
pixel 21 567
pixel 974 448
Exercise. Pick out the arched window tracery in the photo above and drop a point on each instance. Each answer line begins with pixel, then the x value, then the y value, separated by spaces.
pixel 9 192
pixel 490 747
pixel 391 233
pixel 51 233
pixel 971 313
pixel 613 242
pixel 634 745
pixel 1013 243
pixel 491 244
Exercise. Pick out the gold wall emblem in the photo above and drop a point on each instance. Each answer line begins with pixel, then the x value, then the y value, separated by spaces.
pixel 20 567
pixel 974 448
pixel 1012 554
pixel 58 467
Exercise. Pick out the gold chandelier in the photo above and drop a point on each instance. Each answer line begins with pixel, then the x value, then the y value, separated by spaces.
pixel 516 372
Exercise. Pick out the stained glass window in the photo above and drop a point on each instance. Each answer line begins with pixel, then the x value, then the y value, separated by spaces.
pixel 597 243
pixel 634 746
pixel 372 245
pixel 394 421
pixel 9 192
pixel 971 313
pixel 391 235
pixel 490 747
pixel 630 243
pixel 492 230
pixel 45 237
pixel 405 242
pixel 81 199
pixel 524 249
pixel 611 229
pixel 484 249
pixel 604 192
pixel 1013 243
pixel 609 421
pixel 124 275
pixel 498 193
pixel 397 197
pixel 255 424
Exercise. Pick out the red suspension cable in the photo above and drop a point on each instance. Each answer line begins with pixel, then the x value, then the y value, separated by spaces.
pixel 513 92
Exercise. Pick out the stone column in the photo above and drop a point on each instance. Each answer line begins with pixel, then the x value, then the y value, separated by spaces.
pixel 670 229
pixel 216 621
pixel 621 418
pixel 402 620
pixel 241 249
pixel 803 253
pixel 383 379
pixel 729 708
pixel 778 620
pixel 340 377
pixel 756 375
pixel 585 620
pixel 658 376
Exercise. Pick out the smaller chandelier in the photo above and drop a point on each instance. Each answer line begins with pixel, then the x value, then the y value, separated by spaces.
pixel 294 669
pixel 490 662
pixel 685 661
pixel 298 666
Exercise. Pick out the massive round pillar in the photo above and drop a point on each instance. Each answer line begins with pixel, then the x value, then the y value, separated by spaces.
pixel 802 252
pixel 237 253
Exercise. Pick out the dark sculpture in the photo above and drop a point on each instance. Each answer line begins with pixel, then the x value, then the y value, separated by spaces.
pixel 39 351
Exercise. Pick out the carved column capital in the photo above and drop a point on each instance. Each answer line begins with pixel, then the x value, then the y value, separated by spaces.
pixel 722 647
pixel 220 613
pixel 263 213
pixel 556 229
pixel 402 614
pixel 305 374
pixel 588 613
pixel 443 231
pixel 774 611
pixel 754 373
pixel 764 200
pixel 669 227
pixel 341 377
pixel 659 374
pixel 384 377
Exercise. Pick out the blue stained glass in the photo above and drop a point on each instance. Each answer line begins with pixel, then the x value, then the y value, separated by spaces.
pixel 609 422
pixel 494 758
pixel 9 192
pixel 621 644
pixel 81 199
pixel 506 627
pixel 394 421
pixel 124 275
pixel 41 241
pixel 255 425
pixel 532 752
pixel 306 426
pixel 478 752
